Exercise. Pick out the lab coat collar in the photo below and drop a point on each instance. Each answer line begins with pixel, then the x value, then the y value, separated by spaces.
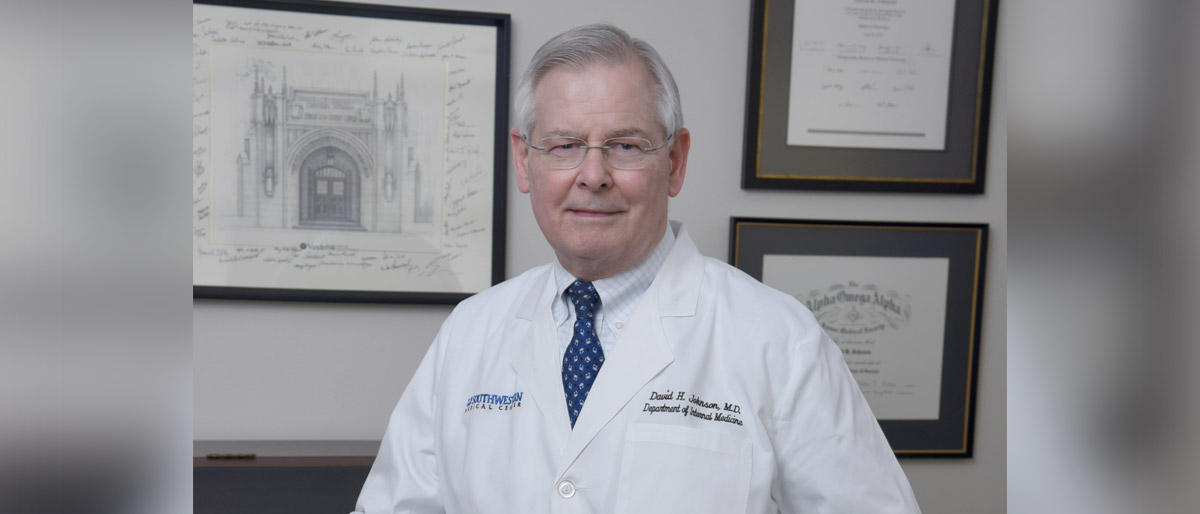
pixel 677 285
pixel 674 293
pixel 680 291
pixel 537 362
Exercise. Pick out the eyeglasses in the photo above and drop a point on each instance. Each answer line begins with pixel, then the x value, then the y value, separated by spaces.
pixel 623 153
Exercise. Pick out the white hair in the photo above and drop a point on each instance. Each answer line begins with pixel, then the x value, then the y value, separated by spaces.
pixel 579 47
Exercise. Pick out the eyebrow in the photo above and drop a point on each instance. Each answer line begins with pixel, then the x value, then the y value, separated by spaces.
pixel 562 133
pixel 627 132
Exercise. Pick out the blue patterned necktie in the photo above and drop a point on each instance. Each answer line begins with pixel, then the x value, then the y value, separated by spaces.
pixel 584 356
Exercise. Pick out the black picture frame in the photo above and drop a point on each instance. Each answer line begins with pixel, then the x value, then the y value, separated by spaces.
pixel 472 249
pixel 963 245
pixel 769 163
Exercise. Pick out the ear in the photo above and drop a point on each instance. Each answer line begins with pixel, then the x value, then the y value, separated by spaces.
pixel 520 152
pixel 678 155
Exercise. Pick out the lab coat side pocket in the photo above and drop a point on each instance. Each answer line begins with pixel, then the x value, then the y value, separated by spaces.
pixel 667 468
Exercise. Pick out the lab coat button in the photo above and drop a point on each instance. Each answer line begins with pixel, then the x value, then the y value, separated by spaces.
pixel 566 489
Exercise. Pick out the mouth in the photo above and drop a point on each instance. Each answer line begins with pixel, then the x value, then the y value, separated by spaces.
pixel 590 213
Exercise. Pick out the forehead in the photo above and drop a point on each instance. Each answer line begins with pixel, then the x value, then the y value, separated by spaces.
pixel 599 100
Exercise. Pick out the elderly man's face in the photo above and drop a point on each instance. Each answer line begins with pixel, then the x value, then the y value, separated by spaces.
pixel 600 220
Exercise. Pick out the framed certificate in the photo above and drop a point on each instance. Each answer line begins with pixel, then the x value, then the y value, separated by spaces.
pixel 889 95
pixel 347 152
pixel 902 302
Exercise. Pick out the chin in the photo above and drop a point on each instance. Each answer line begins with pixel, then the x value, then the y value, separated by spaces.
pixel 591 249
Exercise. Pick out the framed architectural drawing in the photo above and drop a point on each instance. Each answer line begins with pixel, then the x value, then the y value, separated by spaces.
pixel 878 96
pixel 347 152
pixel 901 300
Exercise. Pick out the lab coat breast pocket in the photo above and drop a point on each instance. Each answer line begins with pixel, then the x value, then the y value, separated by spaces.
pixel 667 468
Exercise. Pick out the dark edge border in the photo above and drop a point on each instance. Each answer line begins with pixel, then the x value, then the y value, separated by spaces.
pixel 754 70
pixel 500 176
pixel 324 295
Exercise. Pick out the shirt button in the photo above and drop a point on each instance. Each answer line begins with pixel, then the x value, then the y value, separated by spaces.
pixel 620 325
pixel 566 489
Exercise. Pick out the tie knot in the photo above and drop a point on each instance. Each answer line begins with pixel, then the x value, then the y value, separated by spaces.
pixel 584 297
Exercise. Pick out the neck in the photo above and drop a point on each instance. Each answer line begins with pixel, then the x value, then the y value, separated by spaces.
pixel 603 267
pixel 591 270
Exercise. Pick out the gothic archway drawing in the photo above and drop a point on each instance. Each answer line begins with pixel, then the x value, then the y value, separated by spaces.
pixel 338 159
pixel 330 191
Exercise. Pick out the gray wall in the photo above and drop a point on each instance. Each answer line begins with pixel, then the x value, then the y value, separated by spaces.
pixel 294 371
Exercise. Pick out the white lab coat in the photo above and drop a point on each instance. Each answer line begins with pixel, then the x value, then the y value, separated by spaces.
pixel 720 395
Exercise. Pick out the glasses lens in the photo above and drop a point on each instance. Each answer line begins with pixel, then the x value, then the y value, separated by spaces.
pixel 628 153
pixel 563 152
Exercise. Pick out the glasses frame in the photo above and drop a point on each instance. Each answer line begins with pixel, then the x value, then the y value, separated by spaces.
pixel 603 146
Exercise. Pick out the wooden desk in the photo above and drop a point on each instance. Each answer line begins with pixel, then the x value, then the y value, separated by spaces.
pixel 268 485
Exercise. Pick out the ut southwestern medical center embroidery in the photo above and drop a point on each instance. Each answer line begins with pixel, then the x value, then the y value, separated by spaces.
pixel 494 402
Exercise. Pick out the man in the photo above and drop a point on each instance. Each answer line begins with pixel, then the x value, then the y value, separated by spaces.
pixel 632 374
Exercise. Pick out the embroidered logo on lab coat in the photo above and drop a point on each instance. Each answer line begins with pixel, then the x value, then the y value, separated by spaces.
pixel 693 406
pixel 494 401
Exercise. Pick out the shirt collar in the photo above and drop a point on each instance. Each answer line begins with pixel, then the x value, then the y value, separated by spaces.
pixel 619 294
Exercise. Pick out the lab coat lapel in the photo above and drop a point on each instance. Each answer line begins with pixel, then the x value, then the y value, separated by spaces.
pixel 536 360
pixel 623 374
pixel 643 348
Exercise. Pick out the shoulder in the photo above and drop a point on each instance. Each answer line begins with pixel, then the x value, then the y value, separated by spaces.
pixel 495 310
pixel 505 296
pixel 749 303
pixel 734 278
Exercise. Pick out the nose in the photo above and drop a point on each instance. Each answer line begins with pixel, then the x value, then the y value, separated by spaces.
pixel 594 172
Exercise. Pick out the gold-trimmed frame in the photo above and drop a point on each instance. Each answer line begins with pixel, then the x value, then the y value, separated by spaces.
pixel 769 163
pixel 965 244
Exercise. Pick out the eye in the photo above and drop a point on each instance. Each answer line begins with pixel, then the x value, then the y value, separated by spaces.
pixel 629 147
pixel 562 147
